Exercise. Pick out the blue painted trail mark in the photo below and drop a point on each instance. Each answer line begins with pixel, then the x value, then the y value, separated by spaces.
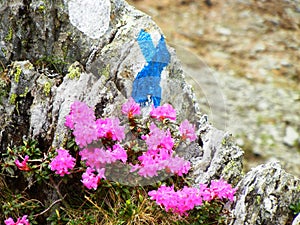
pixel 147 81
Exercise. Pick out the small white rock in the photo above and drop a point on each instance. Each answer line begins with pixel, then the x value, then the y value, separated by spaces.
pixel 296 221
pixel 223 30
pixel 291 136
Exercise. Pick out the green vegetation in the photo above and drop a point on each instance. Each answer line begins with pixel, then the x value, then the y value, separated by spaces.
pixel 42 8
pixel 47 88
pixel 9 36
pixel 13 98
pixel 105 71
pixel 16 73
pixel 295 207
pixel 74 71
pixel 52 62
pixel 4 89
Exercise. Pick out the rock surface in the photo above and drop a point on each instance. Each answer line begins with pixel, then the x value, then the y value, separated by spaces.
pixel 49 59
pixel 264 196
pixel 243 55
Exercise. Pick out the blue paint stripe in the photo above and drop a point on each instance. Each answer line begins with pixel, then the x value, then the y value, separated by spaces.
pixel 162 54
pixel 146 45
pixel 147 81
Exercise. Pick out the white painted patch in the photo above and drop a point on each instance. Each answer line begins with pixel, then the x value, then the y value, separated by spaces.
pixel 155 35
pixel 92 17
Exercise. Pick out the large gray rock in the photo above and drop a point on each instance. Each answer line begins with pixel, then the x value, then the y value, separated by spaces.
pixel 54 54
pixel 264 196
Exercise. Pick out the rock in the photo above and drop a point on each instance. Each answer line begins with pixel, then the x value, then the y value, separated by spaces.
pixel 291 136
pixel 223 30
pixel 108 60
pixel 220 157
pixel 264 196
pixel 296 221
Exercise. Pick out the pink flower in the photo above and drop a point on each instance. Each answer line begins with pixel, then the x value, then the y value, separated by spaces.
pixel 159 155
pixel 9 221
pixel 90 179
pixel 96 157
pixel 85 133
pixel 149 166
pixel 23 165
pixel 158 138
pixel 131 108
pixel 178 165
pixel 205 192
pixel 119 153
pixel 20 221
pixel 222 190
pixel 177 201
pixel 163 112
pixel 187 131
pixel 79 113
pixel 153 162
pixel 62 162
pixel 82 121
pixel 69 121
pixel 110 128
pixel 187 198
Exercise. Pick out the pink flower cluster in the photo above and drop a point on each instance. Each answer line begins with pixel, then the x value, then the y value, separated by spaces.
pixel 177 201
pixel 109 128
pixel 82 121
pixel 218 189
pixel 187 131
pixel 187 198
pixel 97 158
pixel 131 108
pixel 20 221
pixel 62 162
pixel 86 130
pixel 23 165
pixel 165 111
pixel 90 179
pixel 159 155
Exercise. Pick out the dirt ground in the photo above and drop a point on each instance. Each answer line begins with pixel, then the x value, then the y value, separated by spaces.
pixel 253 47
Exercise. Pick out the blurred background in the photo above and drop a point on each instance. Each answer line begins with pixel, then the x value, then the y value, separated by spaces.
pixel 242 58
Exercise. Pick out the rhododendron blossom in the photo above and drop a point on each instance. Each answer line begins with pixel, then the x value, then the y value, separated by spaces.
pixel 165 111
pixel 187 198
pixel 187 131
pixel 22 165
pixel 82 121
pixel 119 153
pixel 222 190
pixel 20 221
pixel 110 128
pixel 177 165
pixel 131 108
pixel 160 154
pixel 62 162
pixel 90 179
pixel 153 161
pixel 177 201
pixel 158 138
pixel 98 157
pixel 79 113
